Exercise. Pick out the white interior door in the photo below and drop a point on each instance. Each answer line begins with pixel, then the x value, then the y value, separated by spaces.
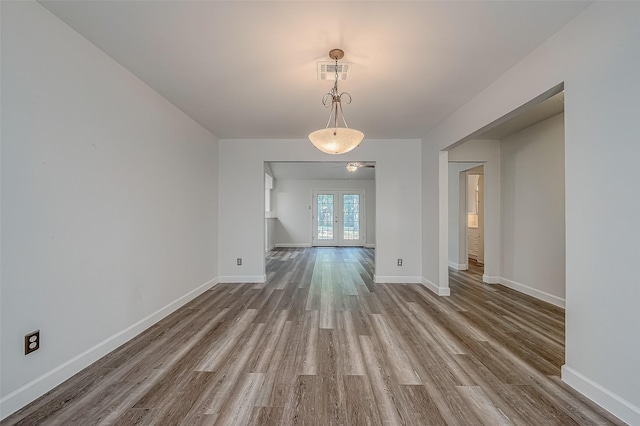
pixel 338 218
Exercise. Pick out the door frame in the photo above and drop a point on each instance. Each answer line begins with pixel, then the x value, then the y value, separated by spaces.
pixel 338 240
pixel 480 201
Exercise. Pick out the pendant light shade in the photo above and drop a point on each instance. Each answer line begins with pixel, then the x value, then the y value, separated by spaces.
pixel 335 139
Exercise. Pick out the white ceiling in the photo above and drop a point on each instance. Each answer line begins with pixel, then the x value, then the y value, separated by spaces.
pixel 337 170
pixel 246 69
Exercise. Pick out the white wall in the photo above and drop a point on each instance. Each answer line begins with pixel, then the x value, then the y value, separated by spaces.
pixel 292 199
pixel 532 198
pixel 270 231
pixel 270 220
pixel 241 216
pixel 596 56
pixel 458 215
pixel 434 198
pixel 487 152
pixel 109 200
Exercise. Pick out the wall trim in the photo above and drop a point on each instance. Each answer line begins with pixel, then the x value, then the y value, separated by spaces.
pixel 602 396
pixel 533 292
pixel 440 291
pixel 292 245
pixel 270 248
pixel 243 279
pixel 391 279
pixel 370 246
pixel 490 280
pixel 458 266
pixel 31 391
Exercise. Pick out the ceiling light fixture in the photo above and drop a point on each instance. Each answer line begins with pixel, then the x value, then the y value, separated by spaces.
pixel 336 140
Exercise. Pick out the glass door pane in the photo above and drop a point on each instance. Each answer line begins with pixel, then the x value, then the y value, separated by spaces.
pixel 325 217
pixel 351 224
pixel 351 217
pixel 325 209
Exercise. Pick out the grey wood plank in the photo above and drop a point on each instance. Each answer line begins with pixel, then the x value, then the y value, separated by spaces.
pixel 327 302
pixel 350 360
pixel 483 406
pixel 239 407
pixel 380 384
pixel 266 416
pixel 225 344
pixel 392 346
pixel 331 399
pixel 262 355
pixel 221 389
pixel 307 356
pixel 360 402
pixel 302 409
pixel 276 367
pixel 419 407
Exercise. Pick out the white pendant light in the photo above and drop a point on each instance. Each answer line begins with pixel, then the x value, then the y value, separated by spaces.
pixel 336 140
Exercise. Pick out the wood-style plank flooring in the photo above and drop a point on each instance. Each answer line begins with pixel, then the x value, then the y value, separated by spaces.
pixel 320 344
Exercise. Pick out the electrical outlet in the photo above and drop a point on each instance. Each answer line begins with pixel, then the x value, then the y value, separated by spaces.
pixel 239 261
pixel 399 262
pixel 32 342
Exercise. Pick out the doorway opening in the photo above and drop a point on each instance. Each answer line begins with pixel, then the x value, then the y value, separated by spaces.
pixel 474 226
pixel 520 240
pixel 320 204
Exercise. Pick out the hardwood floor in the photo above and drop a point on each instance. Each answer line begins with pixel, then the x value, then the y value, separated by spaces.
pixel 319 343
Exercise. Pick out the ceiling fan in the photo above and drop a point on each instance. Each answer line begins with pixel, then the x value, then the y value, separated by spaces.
pixel 353 167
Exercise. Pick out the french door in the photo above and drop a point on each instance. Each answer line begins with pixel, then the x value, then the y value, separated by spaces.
pixel 338 218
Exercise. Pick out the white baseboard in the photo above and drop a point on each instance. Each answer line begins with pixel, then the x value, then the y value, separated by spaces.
pixel 458 266
pixel 29 392
pixel 390 279
pixel 490 280
pixel 243 279
pixel 533 292
pixel 370 246
pixel 269 249
pixel 602 396
pixel 538 294
pixel 440 291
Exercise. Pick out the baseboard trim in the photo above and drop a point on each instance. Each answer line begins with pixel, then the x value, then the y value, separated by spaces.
pixel 490 280
pixel 533 292
pixel 243 279
pixel 458 266
pixel 31 391
pixel 602 396
pixel 270 248
pixel 292 245
pixel 390 279
pixel 440 291
pixel 370 246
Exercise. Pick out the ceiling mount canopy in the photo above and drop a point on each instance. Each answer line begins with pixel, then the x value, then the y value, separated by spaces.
pixel 336 140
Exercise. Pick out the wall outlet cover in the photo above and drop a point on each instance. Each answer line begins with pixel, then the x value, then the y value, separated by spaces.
pixel 31 342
